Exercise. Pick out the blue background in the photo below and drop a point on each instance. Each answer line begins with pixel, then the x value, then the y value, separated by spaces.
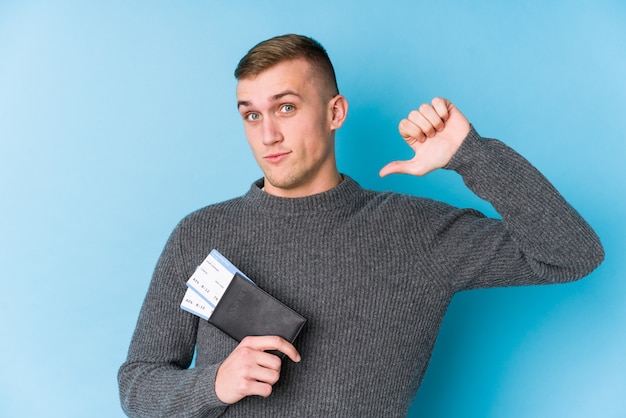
pixel 118 118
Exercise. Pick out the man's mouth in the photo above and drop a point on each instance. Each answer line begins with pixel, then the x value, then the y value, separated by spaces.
pixel 276 157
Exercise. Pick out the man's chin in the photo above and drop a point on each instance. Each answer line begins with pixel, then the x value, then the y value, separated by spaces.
pixel 283 186
pixel 286 182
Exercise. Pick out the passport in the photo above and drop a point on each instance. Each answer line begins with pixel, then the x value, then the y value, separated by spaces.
pixel 221 294
pixel 247 310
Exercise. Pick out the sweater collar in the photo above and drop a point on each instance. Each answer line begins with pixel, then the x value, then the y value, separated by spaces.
pixel 341 196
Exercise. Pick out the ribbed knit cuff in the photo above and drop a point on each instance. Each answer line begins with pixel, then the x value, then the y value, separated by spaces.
pixel 211 406
pixel 466 152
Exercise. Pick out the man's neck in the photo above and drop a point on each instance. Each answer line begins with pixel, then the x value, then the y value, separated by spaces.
pixel 303 190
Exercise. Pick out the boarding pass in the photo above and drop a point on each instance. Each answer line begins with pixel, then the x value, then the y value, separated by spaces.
pixel 207 284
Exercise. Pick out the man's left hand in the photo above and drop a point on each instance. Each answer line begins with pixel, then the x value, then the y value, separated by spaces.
pixel 435 132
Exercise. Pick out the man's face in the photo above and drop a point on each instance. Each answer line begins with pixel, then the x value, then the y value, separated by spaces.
pixel 289 122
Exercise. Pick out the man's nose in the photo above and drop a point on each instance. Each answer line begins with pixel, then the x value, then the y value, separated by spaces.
pixel 271 131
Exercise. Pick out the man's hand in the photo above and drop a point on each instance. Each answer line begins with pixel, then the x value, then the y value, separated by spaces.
pixel 435 132
pixel 249 370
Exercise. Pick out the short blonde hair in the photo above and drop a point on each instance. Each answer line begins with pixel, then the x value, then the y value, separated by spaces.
pixel 288 47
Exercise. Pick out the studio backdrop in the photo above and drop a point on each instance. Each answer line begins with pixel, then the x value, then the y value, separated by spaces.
pixel 119 118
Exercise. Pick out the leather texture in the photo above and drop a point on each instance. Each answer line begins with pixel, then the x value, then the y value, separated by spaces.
pixel 245 309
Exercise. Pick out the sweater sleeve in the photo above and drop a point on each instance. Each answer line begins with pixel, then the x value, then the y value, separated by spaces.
pixel 540 239
pixel 156 379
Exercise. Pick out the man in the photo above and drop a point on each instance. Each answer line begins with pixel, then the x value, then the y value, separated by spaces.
pixel 372 272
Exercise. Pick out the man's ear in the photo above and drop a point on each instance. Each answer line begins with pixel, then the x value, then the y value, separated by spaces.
pixel 339 111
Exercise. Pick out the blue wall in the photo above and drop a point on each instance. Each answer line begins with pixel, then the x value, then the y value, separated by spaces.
pixel 118 118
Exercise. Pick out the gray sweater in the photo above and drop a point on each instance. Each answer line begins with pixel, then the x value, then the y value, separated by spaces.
pixel 372 272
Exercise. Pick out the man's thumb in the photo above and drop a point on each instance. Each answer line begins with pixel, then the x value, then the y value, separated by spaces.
pixel 394 167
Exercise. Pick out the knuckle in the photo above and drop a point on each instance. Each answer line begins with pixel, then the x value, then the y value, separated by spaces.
pixel 407 128
pixel 410 140
pixel 246 352
pixel 276 340
pixel 270 339
pixel 265 391
pixel 414 114
pixel 275 376
pixel 275 363
pixel 244 386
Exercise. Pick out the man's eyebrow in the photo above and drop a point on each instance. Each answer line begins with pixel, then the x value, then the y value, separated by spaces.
pixel 285 93
pixel 274 98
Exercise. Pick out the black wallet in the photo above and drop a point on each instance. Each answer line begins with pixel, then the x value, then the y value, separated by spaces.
pixel 245 310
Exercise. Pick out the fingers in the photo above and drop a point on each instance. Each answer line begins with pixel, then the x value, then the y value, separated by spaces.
pixel 250 369
pixel 271 343
pixel 442 107
pixel 267 343
pixel 425 122
pixel 435 132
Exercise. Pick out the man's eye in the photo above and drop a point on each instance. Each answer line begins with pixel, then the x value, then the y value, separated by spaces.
pixel 252 117
pixel 287 108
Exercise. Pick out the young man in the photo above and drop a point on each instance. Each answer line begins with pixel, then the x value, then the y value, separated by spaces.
pixel 372 272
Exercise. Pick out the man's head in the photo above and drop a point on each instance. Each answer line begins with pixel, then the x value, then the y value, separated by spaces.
pixel 288 100
pixel 289 47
